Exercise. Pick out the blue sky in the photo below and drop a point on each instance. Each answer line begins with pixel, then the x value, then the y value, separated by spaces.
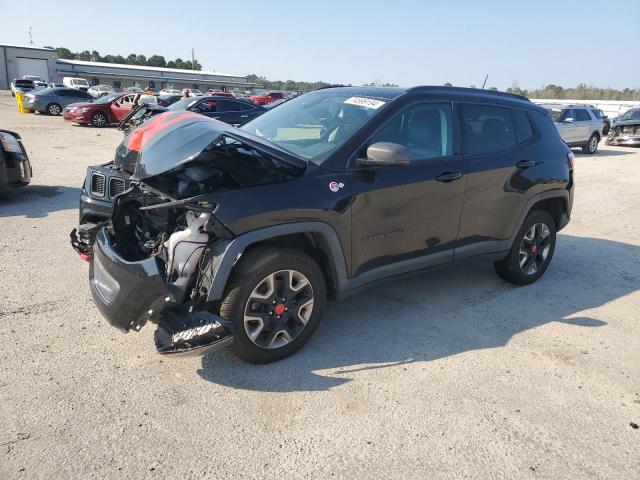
pixel 401 41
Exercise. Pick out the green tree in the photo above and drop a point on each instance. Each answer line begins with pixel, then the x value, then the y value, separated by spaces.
pixel 156 61
pixel 65 53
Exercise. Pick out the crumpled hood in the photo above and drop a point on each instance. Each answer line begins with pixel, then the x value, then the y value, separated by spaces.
pixel 171 139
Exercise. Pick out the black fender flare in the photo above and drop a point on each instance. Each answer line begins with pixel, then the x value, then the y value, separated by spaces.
pixel 222 257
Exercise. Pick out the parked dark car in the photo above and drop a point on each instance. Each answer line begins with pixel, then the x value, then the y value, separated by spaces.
pixel 239 236
pixel 54 100
pixel 15 168
pixel 226 110
pixel 166 100
pixel 606 121
pixel 102 112
pixel 625 131
pixel 24 85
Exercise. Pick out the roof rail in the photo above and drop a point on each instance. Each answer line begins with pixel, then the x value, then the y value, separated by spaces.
pixel 468 90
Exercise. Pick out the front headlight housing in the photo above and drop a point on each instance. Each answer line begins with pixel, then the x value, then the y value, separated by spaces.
pixel 9 143
pixel 83 110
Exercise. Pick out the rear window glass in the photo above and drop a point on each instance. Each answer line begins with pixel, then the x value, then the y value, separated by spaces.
pixel 582 115
pixel 523 125
pixel 24 83
pixel 487 129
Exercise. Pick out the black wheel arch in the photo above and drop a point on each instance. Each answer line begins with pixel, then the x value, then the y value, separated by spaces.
pixel 318 239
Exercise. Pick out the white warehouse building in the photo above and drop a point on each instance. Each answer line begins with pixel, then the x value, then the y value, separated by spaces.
pixel 17 60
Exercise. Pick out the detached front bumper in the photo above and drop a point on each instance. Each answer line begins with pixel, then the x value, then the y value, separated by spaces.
pixel 128 294
pixel 623 140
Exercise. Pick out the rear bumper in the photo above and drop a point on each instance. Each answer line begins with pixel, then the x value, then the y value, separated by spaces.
pixel 128 294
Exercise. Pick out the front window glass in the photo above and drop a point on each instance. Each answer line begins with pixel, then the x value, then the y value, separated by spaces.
pixel 314 125
pixel 426 130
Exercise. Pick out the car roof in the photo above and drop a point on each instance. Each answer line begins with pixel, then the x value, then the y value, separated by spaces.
pixel 436 92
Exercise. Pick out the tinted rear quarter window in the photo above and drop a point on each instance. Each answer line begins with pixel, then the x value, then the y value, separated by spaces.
pixel 486 129
pixel 523 125
pixel 582 115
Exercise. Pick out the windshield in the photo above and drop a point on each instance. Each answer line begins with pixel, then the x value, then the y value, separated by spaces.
pixel 631 115
pixel 80 81
pixel 314 125
pixel 107 98
pixel 24 83
pixel 182 104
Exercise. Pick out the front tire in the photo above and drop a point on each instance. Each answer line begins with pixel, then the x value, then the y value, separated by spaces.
pixel 532 250
pixel 275 299
pixel 99 120
pixel 592 145
pixel 54 109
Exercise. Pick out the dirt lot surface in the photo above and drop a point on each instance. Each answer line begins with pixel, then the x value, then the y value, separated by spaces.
pixel 451 374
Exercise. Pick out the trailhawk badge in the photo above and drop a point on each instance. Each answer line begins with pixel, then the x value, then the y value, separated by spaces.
pixel 335 186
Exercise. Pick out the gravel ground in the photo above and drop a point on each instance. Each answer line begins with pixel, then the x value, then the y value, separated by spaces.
pixel 451 374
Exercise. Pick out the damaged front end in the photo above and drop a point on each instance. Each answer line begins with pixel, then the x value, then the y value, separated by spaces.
pixel 625 133
pixel 153 261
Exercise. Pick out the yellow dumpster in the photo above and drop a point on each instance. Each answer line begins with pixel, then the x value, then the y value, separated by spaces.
pixel 20 100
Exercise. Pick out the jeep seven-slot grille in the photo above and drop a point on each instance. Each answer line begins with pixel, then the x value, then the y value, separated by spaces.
pixel 116 186
pixel 97 184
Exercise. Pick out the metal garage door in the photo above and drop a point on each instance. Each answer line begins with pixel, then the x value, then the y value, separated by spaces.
pixel 32 66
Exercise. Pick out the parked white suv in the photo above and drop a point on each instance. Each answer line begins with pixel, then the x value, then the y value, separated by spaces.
pixel 578 125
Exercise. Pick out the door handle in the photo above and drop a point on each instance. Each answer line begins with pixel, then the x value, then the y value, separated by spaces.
pixel 244 116
pixel 526 164
pixel 448 176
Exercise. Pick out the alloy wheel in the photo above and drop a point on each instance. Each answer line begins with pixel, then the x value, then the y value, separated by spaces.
pixel 278 309
pixel 54 109
pixel 99 120
pixel 534 248
pixel 593 144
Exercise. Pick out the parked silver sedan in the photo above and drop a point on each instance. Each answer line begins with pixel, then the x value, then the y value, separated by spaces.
pixel 54 100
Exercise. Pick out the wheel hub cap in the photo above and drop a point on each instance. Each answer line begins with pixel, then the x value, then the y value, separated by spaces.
pixel 534 248
pixel 278 309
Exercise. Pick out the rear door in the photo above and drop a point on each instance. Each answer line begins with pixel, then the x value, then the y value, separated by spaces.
pixel 232 112
pixel 408 214
pixel 504 170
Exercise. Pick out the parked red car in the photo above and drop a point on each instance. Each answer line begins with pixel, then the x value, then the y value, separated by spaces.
pixel 104 111
pixel 266 98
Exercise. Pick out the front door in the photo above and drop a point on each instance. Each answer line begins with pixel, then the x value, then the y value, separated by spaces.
pixel 122 106
pixel 408 214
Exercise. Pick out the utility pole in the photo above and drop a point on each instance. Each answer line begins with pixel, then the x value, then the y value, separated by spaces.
pixel 193 59
pixel 30 37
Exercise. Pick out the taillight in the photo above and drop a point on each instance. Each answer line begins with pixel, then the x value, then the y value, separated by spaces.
pixel 570 158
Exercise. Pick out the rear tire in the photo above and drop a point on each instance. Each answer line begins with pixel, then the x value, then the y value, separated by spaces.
pixel 99 120
pixel 532 250
pixel 54 109
pixel 254 301
pixel 592 145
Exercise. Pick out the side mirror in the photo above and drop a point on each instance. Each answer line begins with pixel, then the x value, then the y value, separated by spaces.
pixel 569 120
pixel 386 153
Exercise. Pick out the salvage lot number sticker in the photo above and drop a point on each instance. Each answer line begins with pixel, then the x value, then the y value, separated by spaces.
pixel 365 102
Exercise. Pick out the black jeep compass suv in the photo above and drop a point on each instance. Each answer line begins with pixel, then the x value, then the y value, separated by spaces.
pixel 239 236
